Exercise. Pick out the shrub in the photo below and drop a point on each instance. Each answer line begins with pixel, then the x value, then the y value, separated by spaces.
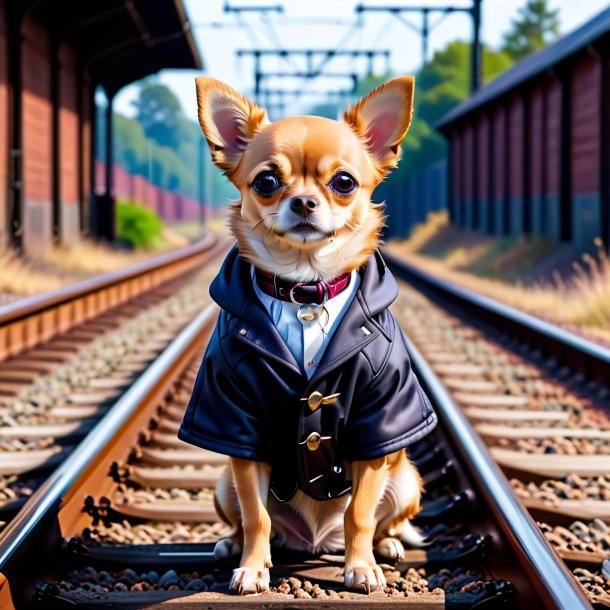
pixel 137 225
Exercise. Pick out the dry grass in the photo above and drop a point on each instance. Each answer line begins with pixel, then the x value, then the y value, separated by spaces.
pixel 64 265
pixel 19 277
pixel 581 300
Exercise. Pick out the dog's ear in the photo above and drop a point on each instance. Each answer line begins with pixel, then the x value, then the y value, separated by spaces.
pixel 382 119
pixel 228 121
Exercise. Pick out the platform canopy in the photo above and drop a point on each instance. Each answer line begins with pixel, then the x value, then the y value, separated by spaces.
pixel 120 41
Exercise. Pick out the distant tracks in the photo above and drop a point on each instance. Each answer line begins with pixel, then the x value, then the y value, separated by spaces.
pixel 533 394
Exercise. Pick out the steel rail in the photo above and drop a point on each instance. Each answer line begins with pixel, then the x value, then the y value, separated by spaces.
pixel 37 303
pixel 46 500
pixel 552 580
pixel 581 355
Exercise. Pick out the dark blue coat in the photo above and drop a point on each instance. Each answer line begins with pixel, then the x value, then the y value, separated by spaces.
pixel 247 400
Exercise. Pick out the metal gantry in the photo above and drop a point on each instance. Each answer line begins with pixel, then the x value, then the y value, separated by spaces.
pixel 316 60
pixel 425 10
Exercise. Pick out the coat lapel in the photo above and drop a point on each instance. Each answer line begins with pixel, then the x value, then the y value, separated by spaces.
pixel 353 332
pixel 258 330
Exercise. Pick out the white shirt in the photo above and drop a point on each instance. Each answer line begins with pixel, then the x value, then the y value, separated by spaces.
pixel 307 340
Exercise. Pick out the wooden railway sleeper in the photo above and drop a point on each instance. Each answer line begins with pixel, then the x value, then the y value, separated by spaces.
pixel 450 508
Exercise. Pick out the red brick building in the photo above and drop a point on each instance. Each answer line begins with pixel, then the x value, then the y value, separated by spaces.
pixel 530 152
pixel 53 56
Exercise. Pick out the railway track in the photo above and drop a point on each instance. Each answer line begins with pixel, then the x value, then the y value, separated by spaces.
pixel 128 520
pixel 538 397
pixel 67 356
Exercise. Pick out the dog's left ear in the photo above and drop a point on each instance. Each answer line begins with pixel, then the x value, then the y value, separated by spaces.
pixel 382 119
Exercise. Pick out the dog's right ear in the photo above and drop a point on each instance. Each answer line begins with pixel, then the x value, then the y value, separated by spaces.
pixel 228 121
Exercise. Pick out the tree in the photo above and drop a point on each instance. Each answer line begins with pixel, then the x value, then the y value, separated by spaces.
pixel 159 112
pixel 440 86
pixel 535 26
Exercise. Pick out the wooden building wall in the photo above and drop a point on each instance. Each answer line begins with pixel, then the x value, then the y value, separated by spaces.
pixel 68 146
pixel 4 127
pixel 482 171
pixel 499 168
pixel 584 128
pixel 456 176
pixel 552 160
pixel 537 159
pixel 535 143
pixel 37 139
pixel 54 164
pixel 468 169
pixel 516 126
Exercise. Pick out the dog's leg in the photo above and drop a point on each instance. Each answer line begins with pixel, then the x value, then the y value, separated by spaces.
pixel 226 504
pixel 368 480
pixel 251 480
pixel 400 502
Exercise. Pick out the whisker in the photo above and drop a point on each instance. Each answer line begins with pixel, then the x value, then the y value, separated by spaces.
pixel 263 220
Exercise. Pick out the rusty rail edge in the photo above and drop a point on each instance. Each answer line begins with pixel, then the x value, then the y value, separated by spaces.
pixel 34 304
pixel 45 502
pixel 585 357
pixel 550 577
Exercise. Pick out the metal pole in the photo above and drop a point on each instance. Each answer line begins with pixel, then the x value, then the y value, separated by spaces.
pixel 109 151
pixel 257 76
pixel 106 216
pixel 370 62
pixel 476 74
pixel 425 30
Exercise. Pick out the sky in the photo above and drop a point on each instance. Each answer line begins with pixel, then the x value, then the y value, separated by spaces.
pixel 324 24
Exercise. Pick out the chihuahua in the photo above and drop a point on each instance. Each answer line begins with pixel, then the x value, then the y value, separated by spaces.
pixel 306 383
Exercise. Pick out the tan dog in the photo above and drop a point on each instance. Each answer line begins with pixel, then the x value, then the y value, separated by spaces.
pixel 305 215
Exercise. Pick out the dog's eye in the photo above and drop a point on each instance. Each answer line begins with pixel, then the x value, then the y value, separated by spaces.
pixel 266 183
pixel 342 183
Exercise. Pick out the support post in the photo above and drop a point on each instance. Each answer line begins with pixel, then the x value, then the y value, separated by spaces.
pixel 109 152
pixel 104 205
pixel 56 139
pixel 425 32
pixel 15 199
pixel 476 74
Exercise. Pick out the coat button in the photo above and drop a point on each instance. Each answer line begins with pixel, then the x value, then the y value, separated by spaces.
pixel 315 400
pixel 313 441
pixel 243 332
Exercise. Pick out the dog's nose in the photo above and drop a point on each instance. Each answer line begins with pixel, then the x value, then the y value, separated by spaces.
pixel 303 205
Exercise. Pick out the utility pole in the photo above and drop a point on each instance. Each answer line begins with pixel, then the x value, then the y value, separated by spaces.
pixel 476 73
pixel 426 28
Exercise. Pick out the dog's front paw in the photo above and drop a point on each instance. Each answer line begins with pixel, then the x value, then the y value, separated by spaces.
pixel 390 549
pixel 246 581
pixel 364 578
pixel 227 549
